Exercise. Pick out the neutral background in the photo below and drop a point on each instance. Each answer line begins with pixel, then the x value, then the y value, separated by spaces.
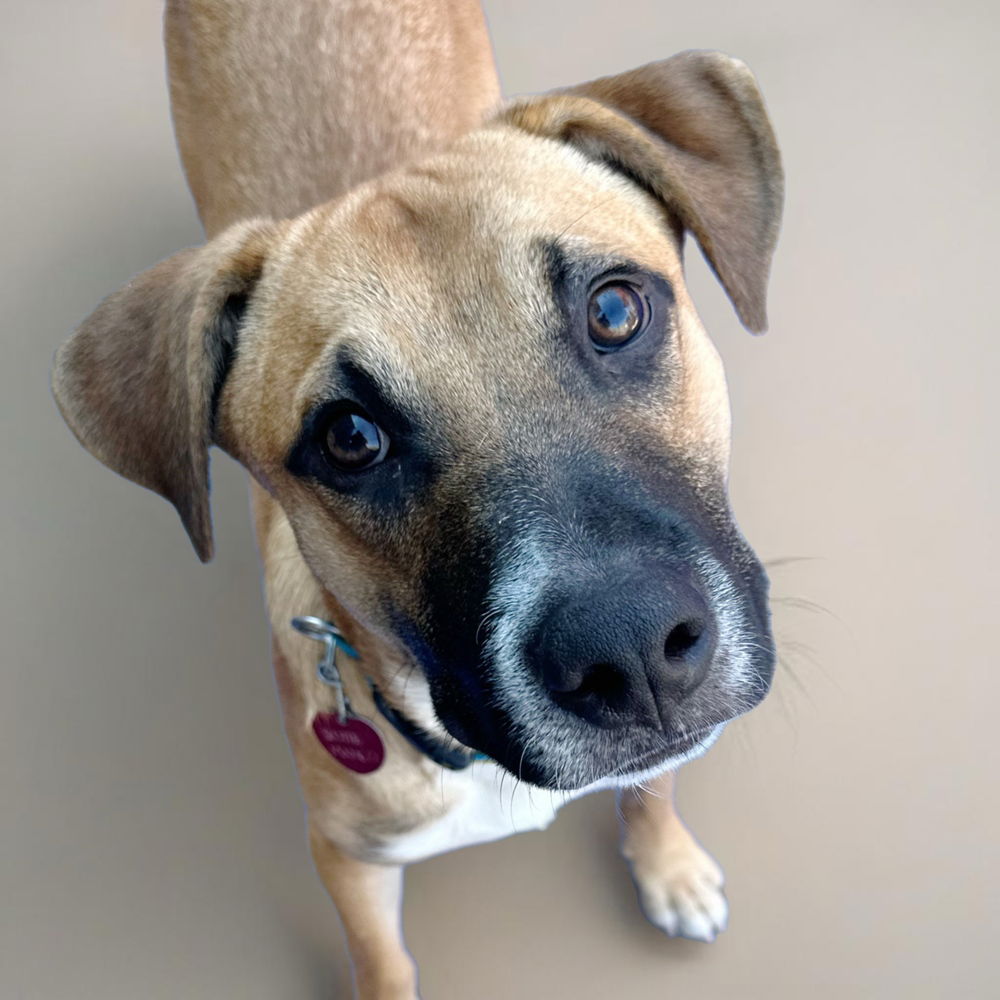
pixel 153 841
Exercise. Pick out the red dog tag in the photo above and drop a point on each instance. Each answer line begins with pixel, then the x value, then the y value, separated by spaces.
pixel 355 742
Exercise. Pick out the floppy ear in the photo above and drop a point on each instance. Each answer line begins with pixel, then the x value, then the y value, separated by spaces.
pixel 139 381
pixel 693 131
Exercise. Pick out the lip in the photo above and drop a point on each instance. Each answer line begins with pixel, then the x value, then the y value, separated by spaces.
pixel 654 762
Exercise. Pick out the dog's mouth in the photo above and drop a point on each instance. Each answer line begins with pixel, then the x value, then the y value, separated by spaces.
pixel 679 751
pixel 550 748
pixel 605 767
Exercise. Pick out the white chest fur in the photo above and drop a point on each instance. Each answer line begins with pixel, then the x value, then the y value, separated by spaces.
pixel 488 804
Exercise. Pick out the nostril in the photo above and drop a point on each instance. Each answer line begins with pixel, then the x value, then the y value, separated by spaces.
pixel 604 682
pixel 682 639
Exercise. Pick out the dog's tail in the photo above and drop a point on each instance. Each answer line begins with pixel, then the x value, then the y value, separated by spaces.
pixel 280 106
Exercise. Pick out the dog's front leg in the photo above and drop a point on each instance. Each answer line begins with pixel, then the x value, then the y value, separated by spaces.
pixel 368 898
pixel 679 883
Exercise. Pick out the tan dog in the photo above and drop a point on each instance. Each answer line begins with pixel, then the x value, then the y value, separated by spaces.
pixel 487 432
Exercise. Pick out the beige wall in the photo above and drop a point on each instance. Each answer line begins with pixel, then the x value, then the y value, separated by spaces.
pixel 152 839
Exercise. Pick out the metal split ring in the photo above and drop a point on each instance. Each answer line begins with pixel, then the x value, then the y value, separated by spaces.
pixel 327 670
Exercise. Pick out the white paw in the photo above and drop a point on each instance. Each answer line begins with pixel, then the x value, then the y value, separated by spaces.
pixel 681 893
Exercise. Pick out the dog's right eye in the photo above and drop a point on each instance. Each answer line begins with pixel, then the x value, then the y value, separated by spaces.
pixel 352 442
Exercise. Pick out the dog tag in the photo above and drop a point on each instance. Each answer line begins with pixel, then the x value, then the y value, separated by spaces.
pixel 346 737
pixel 351 741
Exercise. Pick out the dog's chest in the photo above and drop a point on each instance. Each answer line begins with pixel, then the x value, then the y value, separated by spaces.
pixel 488 804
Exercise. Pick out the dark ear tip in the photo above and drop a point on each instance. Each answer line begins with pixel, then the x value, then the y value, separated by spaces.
pixel 753 315
pixel 198 525
pixel 756 321
pixel 205 550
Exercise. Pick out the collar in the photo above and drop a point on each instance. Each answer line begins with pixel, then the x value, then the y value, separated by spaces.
pixel 450 757
pixel 333 639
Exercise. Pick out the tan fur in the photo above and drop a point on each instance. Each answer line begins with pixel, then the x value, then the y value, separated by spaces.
pixel 676 878
pixel 282 107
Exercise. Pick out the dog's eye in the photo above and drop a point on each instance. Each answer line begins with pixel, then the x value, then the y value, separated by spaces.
pixel 616 314
pixel 352 442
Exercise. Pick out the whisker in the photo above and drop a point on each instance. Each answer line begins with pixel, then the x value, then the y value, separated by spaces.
pixel 584 214
pixel 803 604
pixel 781 561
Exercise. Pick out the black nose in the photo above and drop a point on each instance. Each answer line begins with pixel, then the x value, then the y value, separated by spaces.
pixel 625 650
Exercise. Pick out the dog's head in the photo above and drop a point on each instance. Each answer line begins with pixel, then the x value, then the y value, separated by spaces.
pixel 479 391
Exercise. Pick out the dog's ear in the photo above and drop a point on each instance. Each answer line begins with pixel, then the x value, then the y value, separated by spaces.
pixel 139 381
pixel 693 131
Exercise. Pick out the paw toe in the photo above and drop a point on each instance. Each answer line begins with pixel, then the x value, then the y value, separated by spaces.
pixel 685 899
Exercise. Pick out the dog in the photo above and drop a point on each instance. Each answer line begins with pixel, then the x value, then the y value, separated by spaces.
pixel 487 434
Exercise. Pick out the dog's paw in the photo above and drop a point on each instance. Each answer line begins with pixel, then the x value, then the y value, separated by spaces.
pixel 681 892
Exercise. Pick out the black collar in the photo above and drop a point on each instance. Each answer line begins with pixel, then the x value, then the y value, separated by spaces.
pixel 451 758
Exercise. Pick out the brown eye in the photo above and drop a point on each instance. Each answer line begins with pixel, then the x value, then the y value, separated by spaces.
pixel 353 442
pixel 616 313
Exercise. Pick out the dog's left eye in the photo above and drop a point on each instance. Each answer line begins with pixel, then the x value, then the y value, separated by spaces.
pixel 352 442
pixel 616 315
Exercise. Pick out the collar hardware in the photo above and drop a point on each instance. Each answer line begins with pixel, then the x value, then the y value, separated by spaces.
pixel 329 673
pixel 327 669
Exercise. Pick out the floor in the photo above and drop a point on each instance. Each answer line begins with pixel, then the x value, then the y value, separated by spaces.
pixel 153 840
